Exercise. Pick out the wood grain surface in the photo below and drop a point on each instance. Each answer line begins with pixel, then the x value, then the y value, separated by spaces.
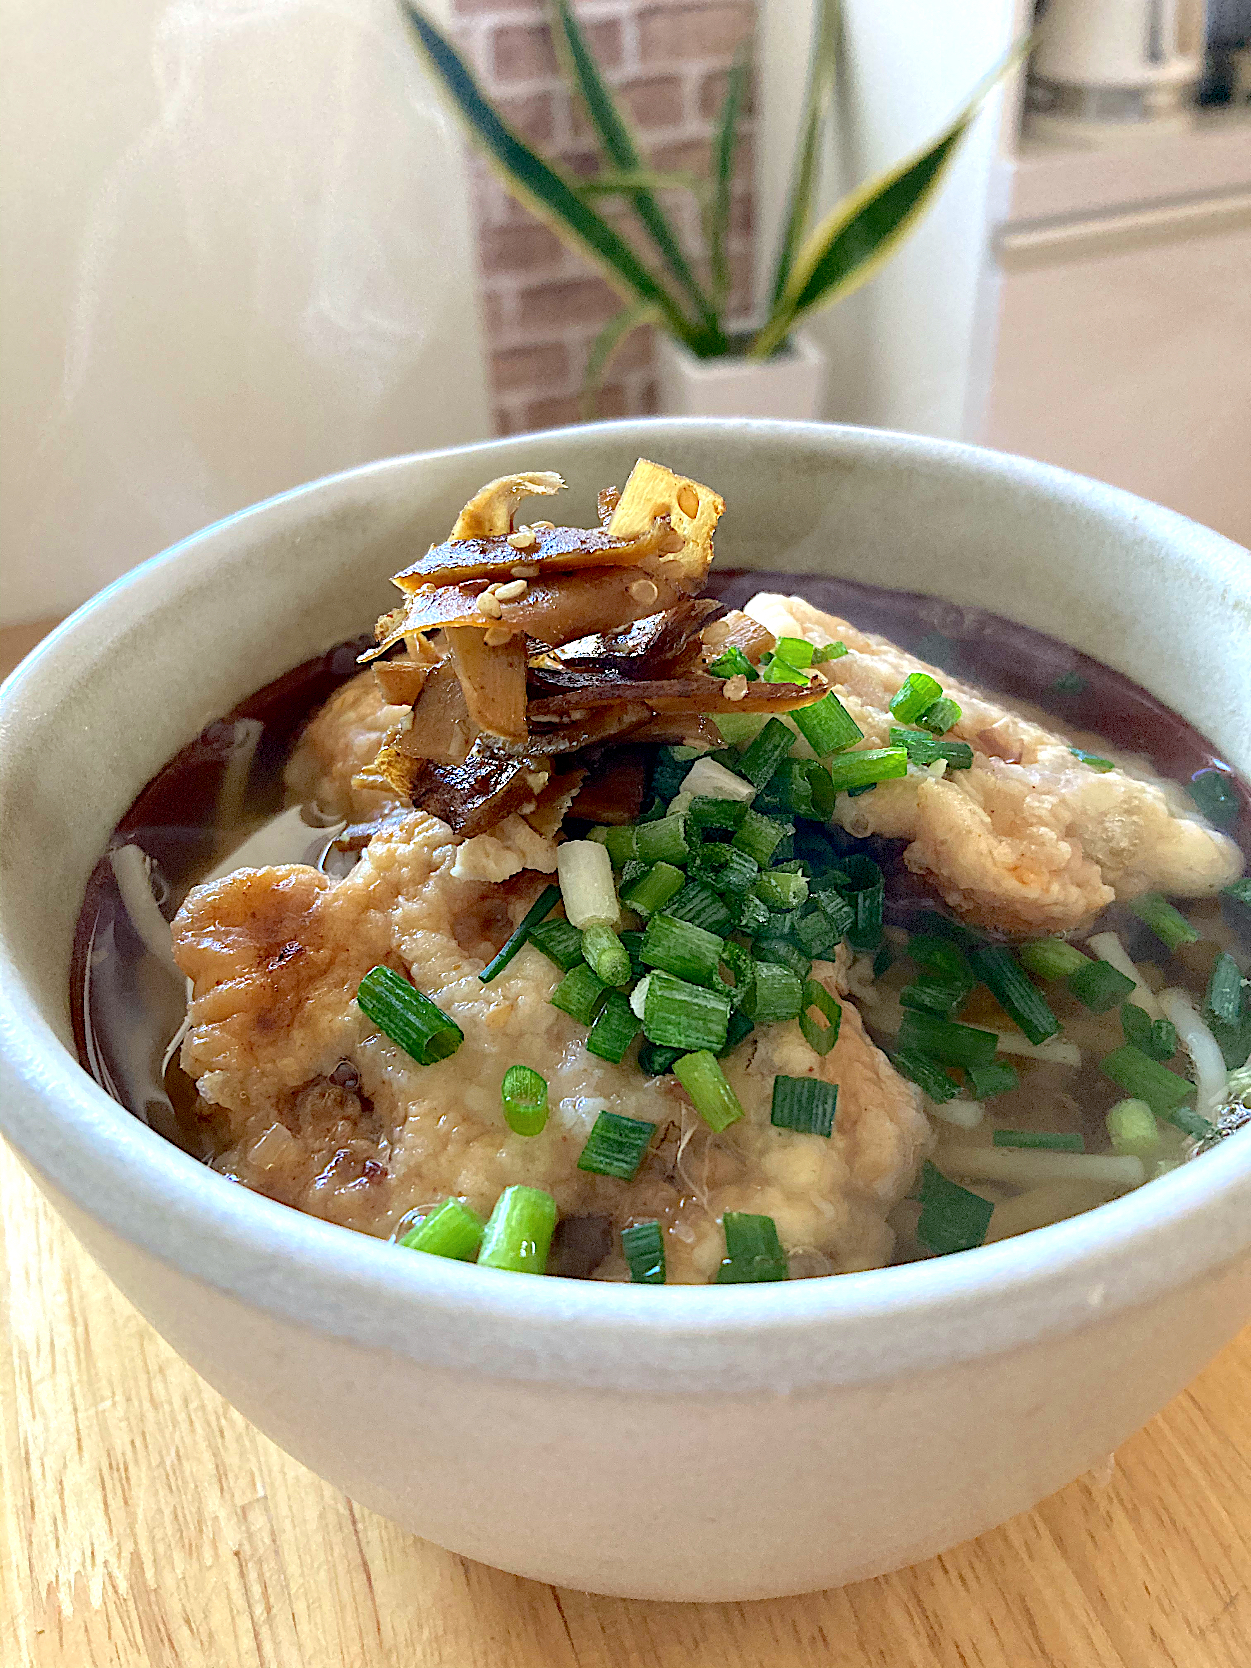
pixel 145 1524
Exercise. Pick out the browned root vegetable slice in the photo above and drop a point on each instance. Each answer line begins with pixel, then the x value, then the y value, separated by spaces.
pixel 659 646
pixel 490 510
pixel 614 792
pixel 554 801
pixel 738 630
pixel 473 796
pixel 493 680
pixel 692 511
pixel 441 727
pixel 401 681
pixel 574 691
pixel 554 550
pixel 679 729
pixel 606 501
pixel 357 835
pixel 581 729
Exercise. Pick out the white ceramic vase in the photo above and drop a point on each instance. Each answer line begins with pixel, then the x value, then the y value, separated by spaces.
pixel 791 385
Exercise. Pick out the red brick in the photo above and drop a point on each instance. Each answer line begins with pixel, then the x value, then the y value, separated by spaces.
pixel 524 51
pixel 635 353
pixel 682 156
pixel 555 306
pixel 529 369
pixel 682 34
pixel 652 102
pixel 529 114
pixel 524 248
pixel 476 8
pixel 568 408
pixel 712 95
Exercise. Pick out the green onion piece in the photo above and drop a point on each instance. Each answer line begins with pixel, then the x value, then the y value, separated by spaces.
pixel 765 753
pixel 952 1218
pixel 942 716
pixel 1133 1129
pixel 930 995
pixel 669 772
pixel 683 1015
pixel 1053 958
pixel 796 651
pixel 1234 1040
pixel 700 1074
pixel 781 891
pixel 804 1104
pixel 781 952
pixel 1155 1037
pixel 1224 999
pixel 1038 1138
pixel 451 1230
pixel 1240 891
pixel 739 1028
pixel 701 905
pixel 622 843
pixel 865 890
pixel 1169 925
pixel 867 766
pixel 781 671
pixel 643 1246
pixel 1145 1079
pixel 942 957
pixel 1100 986
pixel 759 836
pixel 925 749
pixel 883 959
pixel 778 994
pixel 663 841
pixel 407 1017
pixel 799 788
pixel 616 1145
pixel 753 1250
pixel 753 915
pixel 1069 683
pixel 926 1074
pixel 606 955
pixel 859 916
pixel 580 994
pixel 998 1078
pixel 560 941
pixel 1093 760
pixel 820 1034
pixel 732 663
pixel 946 1041
pixel 518 1235
pixel 653 890
pixel 724 869
pixel 538 911
pixel 682 948
pixel 915 694
pixel 826 725
pixel 815 932
pixel 524 1094
pixel 1012 988
pixel 738 962
pixel 739 729
pixel 656 1061
pixel 1213 792
pixel 828 651
pixel 615 1028
pixel 705 811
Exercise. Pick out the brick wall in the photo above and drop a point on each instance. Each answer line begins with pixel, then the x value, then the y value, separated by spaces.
pixel 544 304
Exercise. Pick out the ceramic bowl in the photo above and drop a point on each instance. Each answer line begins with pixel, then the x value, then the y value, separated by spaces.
pixel 687 1443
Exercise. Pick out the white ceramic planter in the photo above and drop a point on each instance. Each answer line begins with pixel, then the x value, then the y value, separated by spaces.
pixel 790 386
pixel 725 1442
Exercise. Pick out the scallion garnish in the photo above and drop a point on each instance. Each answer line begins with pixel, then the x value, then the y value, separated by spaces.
pixel 620 841
pixel 733 663
pixel 946 1041
pixel 643 1246
pixel 796 651
pixel 451 1230
pixel 826 726
pixel 655 1060
pixel 1100 986
pixel 707 812
pixel 410 1019
pixel 866 766
pixel 663 841
pixel 1224 998
pixel 828 651
pixel 616 1145
pixel 782 671
pixel 932 995
pixel 759 836
pixel 606 955
pixel 753 1250
pixel 1157 1038
pixel 781 951
pixel 998 1078
pixel 864 888
pixel 683 1015
pixel 927 1074
pixel 524 1094
pixel 781 891
pixel 1163 1090
pixel 777 994
pixel 701 905
pixel 584 870
pixel 819 1033
pixel 1239 891
pixel 942 716
pixel 753 915
pixel 952 1218
pixel 758 763
pixel 1051 1142
pixel 1169 925
pixel 915 694
pixel 559 941
pixel 614 1029
pixel 700 1074
pixel 518 1235
pixel 1052 958
pixel 925 749
pixel 538 911
pixel 1093 760
pixel 682 948
pixel 738 1028
pixel 941 957
pixel 653 889
pixel 725 869
pixel 804 1104
pixel 1213 792
pixel 580 994
pixel 738 963
pixel 997 967
pixel 1133 1129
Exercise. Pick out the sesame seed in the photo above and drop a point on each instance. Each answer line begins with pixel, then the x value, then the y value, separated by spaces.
pixel 643 590
pixel 543 526
pixel 523 539
pixel 509 593
pixel 524 570
pixel 736 687
pixel 487 604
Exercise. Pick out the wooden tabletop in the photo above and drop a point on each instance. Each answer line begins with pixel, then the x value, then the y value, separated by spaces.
pixel 145 1524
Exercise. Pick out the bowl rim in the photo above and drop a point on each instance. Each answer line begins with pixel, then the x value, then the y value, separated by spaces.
pixel 103 1164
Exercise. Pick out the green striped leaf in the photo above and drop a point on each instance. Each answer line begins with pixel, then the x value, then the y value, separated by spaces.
pixel 723 175
pixel 817 99
pixel 610 338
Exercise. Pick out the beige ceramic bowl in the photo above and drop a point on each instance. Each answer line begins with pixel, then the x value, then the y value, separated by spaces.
pixel 710 1443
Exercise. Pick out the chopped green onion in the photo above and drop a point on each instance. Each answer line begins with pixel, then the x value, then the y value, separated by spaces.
pixel 778 994
pixel 952 1218
pixel 1038 1138
pixel 1145 1079
pixel 998 1078
pixel 724 869
pixel 946 1041
pixel 700 1074
pixel 606 955
pixel 663 841
pixel 942 716
pixel 766 753
pixel 864 888
pixel 815 932
pixel 739 1028
pixel 799 788
pixel 926 1074
pixel 1133 1129
pixel 883 959
pixel 1234 1041
pixel 733 663
pixel 615 1028
pixel 819 1034
pixel 643 1246
pixel 1169 925
pixel 866 766
pixel 656 1061
pixel 826 725
pixel 753 1250
pixel 1069 683
pixel 705 811
pixel 743 970
pixel 653 890
pixel 518 1235
pixel 1155 1037
pixel 915 694
pixel 683 1015
pixel 682 948
pixel 847 917
pixel 804 1104
pixel 1240 891
pixel 580 994
pixel 781 891
pixel 701 905
pixel 782 671
pixel 584 870
pixel 616 1145
pixel 753 915
pixel 1224 998
pixel 942 957
pixel 451 1230
pixel 709 779
pixel 739 728
pixel 796 651
pixel 781 952
pixel 538 911
pixel 759 836
pixel 1011 987
pixel 621 842
pixel 828 651
pixel 925 749
pixel 559 941
pixel 406 1016
pixel 930 995
pixel 1212 791
pixel 669 772
pixel 524 1094
pixel 1093 760
pixel 1100 986
pixel 1053 958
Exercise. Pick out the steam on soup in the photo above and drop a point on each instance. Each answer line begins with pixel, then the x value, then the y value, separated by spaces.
pixel 611 924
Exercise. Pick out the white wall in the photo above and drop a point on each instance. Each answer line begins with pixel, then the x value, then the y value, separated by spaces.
pixel 235 256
